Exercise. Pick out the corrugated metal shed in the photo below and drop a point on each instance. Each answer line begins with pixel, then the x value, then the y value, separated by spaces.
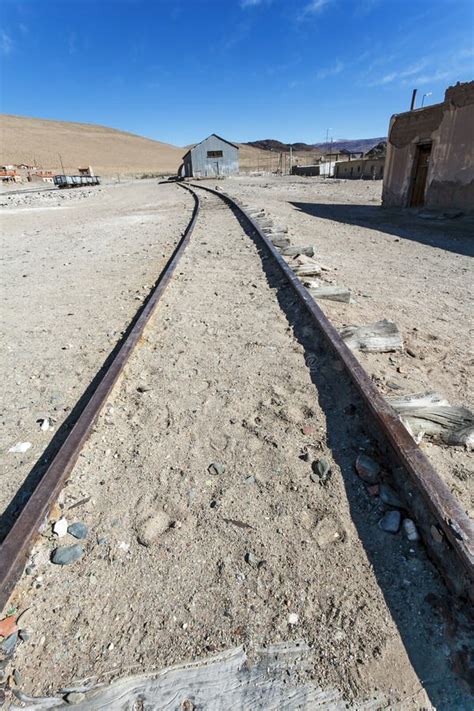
pixel 212 157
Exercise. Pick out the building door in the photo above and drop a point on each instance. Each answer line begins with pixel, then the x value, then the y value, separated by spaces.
pixel 422 160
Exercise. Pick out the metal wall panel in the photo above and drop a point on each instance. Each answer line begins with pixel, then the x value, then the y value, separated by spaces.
pixel 204 166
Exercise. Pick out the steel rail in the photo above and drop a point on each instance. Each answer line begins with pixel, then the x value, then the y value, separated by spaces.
pixel 418 481
pixel 20 538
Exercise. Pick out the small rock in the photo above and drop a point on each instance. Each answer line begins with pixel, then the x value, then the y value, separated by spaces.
pixel 367 469
pixel 390 522
pixel 8 645
pixel 321 471
pixel 293 618
pixel 8 626
pixel 410 352
pixel 410 531
pixel 373 489
pixel 394 386
pixel 143 389
pixel 78 530
pixel 17 677
pixel 251 559
pixel 24 635
pixel 20 448
pixel 390 497
pixel 152 528
pixel 60 527
pixel 216 468
pixel 436 534
pixel 64 555
pixel 308 430
pixel 44 424
pixel 75 697
pixel 249 480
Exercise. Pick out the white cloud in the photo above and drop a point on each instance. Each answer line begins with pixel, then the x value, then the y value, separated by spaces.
pixel 398 74
pixel 252 3
pixel 331 71
pixel 6 43
pixel 430 78
pixel 315 6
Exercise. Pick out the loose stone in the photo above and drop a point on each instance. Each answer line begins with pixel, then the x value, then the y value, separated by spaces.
pixel 390 522
pixel 20 448
pixel 8 645
pixel 60 528
pixel 410 531
pixel 293 618
pixel 389 496
pixel 78 530
pixel 321 471
pixel 251 558
pixel 67 554
pixel 216 468
pixel 75 697
pixel 367 469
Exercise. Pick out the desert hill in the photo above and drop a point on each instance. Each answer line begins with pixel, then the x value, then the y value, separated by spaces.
pixel 107 150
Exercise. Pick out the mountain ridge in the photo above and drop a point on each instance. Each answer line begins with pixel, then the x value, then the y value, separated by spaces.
pixel 355 145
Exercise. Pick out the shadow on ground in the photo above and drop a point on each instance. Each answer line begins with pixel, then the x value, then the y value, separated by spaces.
pixel 420 625
pixel 453 235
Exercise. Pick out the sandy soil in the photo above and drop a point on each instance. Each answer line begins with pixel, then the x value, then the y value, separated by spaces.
pixel 415 272
pixel 257 553
pixel 76 266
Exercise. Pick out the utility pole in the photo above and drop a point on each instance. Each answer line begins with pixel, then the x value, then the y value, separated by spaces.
pixel 61 161
pixel 413 99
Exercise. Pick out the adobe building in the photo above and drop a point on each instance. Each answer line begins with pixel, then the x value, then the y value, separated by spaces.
pixel 211 158
pixel 363 168
pixel 430 154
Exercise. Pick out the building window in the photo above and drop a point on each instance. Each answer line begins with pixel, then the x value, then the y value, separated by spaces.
pixel 214 154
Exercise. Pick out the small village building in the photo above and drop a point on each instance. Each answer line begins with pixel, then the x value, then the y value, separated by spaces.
pixel 211 158
pixel 363 168
pixel 40 176
pixel 430 154
pixel 8 175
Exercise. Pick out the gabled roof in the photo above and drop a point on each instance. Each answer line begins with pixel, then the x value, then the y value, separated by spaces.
pixel 205 139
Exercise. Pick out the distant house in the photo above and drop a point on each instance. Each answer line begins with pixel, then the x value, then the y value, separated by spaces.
pixel 211 158
pixel 43 176
pixel 430 154
pixel 364 169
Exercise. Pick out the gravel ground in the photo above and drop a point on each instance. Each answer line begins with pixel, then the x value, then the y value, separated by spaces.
pixel 398 266
pixel 207 526
pixel 75 267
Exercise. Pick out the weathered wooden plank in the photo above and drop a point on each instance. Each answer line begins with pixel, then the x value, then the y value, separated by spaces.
pixel 380 337
pixel 430 414
pixel 295 251
pixel 332 293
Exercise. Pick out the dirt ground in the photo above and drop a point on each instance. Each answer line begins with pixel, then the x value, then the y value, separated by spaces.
pixel 207 529
pixel 75 267
pixel 398 266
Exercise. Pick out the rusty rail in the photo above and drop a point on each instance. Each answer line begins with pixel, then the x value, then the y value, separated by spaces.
pixel 19 540
pixel 421 486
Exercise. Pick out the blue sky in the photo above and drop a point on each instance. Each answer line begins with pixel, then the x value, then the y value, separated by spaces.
pixel 177 70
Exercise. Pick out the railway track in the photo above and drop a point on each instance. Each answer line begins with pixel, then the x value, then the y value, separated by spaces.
pixel 423 493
